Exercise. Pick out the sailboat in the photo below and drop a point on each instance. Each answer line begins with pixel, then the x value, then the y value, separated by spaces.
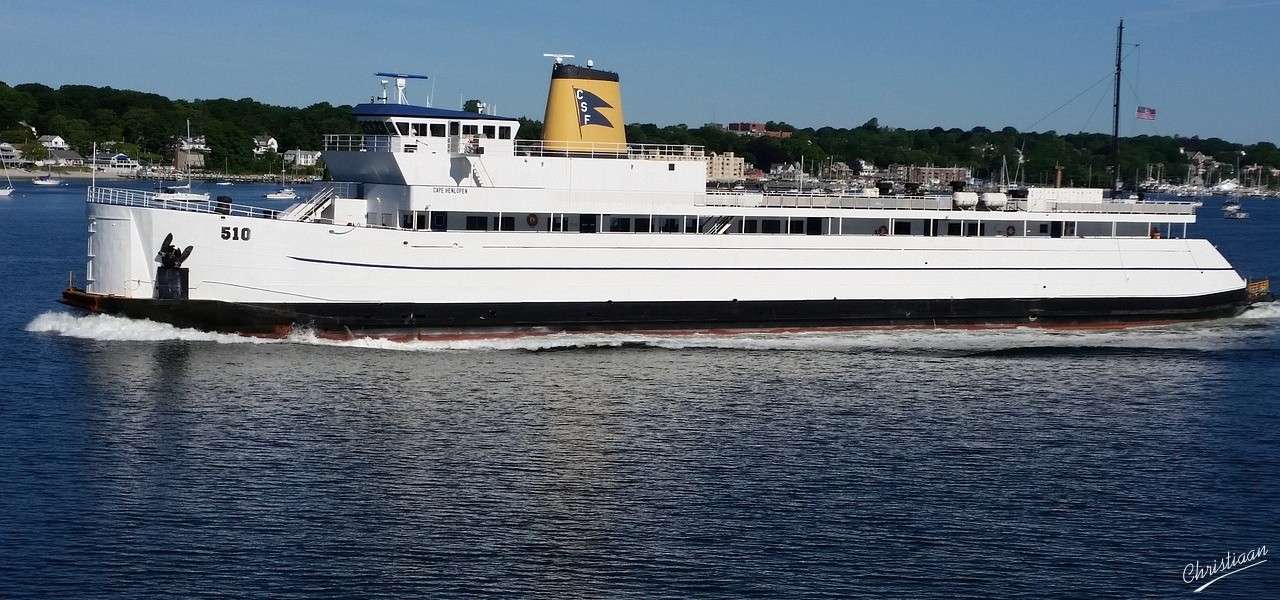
pixel 47 179
pixel 226 172
pixel 284 193
pixel 183 192
pixel 5 192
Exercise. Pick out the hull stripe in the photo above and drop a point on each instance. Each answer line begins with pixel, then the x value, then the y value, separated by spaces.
pixel 660 268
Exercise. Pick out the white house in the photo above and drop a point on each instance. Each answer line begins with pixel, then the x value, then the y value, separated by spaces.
pixel 53 142
pixel 263 144
pixel 116 162
pixel 9 153
pixel 302 158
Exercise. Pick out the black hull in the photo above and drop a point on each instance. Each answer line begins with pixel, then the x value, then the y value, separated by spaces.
pixel 376 318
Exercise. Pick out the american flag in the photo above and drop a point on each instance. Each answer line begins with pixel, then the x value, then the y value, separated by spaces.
pixel 1146 113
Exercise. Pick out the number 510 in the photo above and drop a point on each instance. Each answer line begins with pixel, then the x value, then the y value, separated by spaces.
pixel 239 234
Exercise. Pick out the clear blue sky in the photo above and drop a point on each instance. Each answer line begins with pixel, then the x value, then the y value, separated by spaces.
pixel 1210 67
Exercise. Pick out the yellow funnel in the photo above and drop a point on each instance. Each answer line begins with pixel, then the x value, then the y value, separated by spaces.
pixel 584 111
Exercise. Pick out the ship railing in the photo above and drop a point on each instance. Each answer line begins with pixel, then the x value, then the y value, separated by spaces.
pixel 1119 208
pixel 355 142
pixel 142 199
pixel 939 202
pixel 582 149
pixel 801 200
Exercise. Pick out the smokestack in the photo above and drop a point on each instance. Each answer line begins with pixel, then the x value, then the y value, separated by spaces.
pixel 584 110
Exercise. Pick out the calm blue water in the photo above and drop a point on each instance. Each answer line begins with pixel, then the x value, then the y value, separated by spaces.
pixel 141 461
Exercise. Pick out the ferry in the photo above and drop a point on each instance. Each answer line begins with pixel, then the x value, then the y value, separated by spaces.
pixel 445 220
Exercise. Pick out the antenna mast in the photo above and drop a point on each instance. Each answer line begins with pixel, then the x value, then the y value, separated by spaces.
pixel 559 57
pixel 1115 113
pixel 400 78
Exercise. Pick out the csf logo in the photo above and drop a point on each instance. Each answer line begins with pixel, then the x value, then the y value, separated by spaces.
pixel 589 106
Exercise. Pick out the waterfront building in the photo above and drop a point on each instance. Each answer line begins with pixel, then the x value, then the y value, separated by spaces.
pixel 116 162
pixel 838 171
pixel 53 142
pixel 263 144
pixel 928 175
pixel 9 153
pixel 59 157
pixel 302 158
pixel 189 153
pixel 725 168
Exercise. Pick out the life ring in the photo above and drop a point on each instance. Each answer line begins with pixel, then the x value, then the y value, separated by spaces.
pixel 532 220
pixel 1009 231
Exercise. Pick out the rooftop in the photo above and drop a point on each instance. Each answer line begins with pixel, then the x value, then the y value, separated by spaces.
pixel 424 112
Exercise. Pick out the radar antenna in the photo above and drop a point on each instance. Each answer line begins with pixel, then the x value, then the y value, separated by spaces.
pixel 559 57
pixel 400 82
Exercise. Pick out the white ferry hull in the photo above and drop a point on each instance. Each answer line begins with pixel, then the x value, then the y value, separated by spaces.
pixel 282 274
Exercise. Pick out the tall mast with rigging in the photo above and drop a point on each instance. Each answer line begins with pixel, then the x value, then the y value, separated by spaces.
pixel 1115 113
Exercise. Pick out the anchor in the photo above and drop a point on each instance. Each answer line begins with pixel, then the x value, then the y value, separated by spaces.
pixel 171 278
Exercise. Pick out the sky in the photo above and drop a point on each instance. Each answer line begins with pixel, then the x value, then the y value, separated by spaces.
pixel 1209 67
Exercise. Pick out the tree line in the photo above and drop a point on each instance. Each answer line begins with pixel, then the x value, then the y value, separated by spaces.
pixel 145 124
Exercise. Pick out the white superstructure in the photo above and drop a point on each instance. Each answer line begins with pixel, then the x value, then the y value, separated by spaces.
pixel 445 218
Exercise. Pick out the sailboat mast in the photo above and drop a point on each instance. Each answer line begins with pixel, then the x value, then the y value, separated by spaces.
pixel 1115 112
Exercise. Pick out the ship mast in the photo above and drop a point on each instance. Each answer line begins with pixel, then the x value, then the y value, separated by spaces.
pixel 1115 112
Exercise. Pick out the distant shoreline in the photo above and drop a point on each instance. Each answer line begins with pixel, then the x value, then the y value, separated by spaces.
pixel 23 174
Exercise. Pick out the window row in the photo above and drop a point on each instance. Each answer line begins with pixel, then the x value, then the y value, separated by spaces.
pixel 429 129
pixel 594 223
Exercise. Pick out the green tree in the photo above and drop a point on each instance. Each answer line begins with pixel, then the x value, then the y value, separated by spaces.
pixel 34 150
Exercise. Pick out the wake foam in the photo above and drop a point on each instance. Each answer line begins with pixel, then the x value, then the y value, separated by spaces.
pixel 1188 337
pixel 120 329
pixel 1263 310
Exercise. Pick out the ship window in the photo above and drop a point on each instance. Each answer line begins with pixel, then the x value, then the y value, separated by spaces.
pixel 670 225
pixel 437 130
pixel 440 221
pixel 421 221
pixel 795 226
pixel 470 129
pixel 420 129
pixel 490 131
pixel 954 229
pixel 477 223
pixel 751 226
pixel 619 224
pixel 642 224
pixel 587 223
pixel 771 226
pixel 453 128
pixel 373 127
pixel 504 133
pixel 975 229
pixel 504 223
pixel 691 224
pixel 1044 229
pixel 671 166
pixel 403 127
pixel 902 228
